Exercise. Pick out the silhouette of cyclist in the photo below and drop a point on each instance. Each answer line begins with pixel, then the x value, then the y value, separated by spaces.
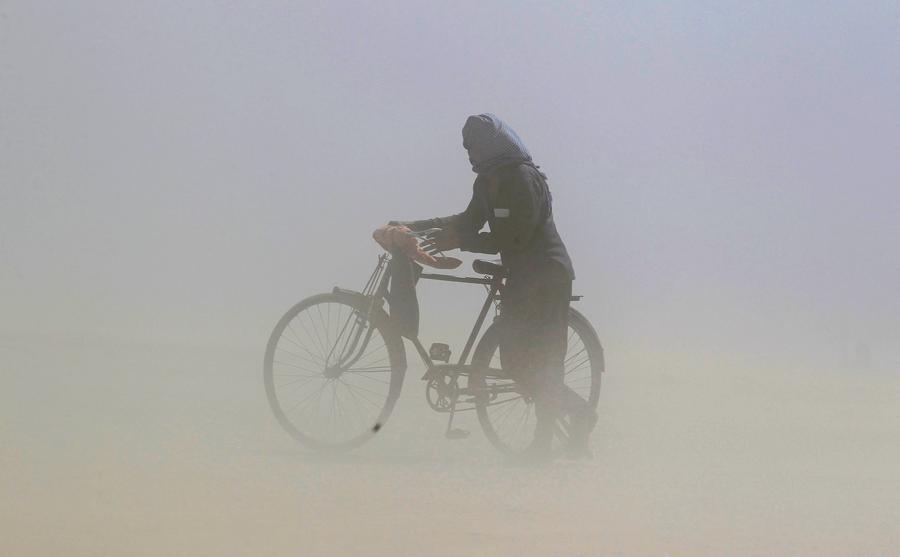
pixel 511 195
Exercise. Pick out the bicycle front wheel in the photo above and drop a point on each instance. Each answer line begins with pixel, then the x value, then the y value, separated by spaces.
pixel 333 370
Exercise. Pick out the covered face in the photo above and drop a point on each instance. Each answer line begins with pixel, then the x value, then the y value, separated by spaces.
pixel 491 143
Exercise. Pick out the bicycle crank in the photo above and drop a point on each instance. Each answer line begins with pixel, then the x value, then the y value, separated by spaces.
pixel 441 392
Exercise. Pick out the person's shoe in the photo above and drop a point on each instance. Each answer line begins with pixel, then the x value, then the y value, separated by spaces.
pixel 578 447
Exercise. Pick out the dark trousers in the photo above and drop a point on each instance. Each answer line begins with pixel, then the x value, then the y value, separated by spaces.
pixel 534 326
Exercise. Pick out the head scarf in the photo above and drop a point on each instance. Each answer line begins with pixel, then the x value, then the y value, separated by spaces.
pixel 491 143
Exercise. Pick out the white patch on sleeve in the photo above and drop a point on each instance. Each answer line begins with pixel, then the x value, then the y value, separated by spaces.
pixel 501 213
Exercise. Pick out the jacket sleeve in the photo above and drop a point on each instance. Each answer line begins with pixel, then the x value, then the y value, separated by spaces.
pixel 471 222
pixel 451 221
pixel 517 215
pixel 466 224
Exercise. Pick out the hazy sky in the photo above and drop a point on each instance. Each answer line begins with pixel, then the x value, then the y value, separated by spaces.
pixel 727 175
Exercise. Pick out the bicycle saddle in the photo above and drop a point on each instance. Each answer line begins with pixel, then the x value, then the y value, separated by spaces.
pixel 483 267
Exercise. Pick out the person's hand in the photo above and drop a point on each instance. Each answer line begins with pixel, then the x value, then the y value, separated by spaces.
pixel 399 238
pixel 441 240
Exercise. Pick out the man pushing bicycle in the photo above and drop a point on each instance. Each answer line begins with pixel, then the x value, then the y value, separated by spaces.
pixel 511 195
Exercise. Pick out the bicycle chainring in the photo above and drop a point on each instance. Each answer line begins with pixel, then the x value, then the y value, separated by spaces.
pixel 441 392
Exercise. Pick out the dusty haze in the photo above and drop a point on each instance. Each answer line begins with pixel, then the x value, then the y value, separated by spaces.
pixel 174 176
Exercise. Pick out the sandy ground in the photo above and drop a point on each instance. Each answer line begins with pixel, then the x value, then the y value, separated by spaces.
pixel 127 449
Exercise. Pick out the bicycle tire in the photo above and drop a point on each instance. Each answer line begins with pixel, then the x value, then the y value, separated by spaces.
pixel 376 398
pixel 485 357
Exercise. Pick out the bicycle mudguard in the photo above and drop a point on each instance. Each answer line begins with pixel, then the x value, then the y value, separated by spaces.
pixel 359 296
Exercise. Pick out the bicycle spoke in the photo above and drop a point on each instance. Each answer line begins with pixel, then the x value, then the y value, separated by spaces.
pixel 328 319
pixel 296 366
pixel 315 334
pixel 345 412
pixel 382 369
pixel 580 365
pixel 312 340
pixel 365 358
pixel 370 391
pixel 333 409
pixel 306 398
pixel 326 332
pixel 508 400
pixel 297 382
pixel 298 356
pixel 574 355
pixel 506 415
pixel 308 375
pixel 375 379
pixel 356 391
pixel 358 405
pixel 315 358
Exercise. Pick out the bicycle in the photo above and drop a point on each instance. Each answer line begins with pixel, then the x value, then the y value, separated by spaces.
pixel 335 364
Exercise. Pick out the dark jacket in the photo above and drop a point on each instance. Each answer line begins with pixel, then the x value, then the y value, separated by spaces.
pixel 515 202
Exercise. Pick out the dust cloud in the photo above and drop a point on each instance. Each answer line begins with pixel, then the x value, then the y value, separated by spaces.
pixel 112 448
pixel 173 178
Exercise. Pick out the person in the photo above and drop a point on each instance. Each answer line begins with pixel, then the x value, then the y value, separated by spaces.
pixel 511 195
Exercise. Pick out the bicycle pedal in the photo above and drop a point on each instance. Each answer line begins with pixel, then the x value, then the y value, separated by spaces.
pixel 439 352
pixel 457 434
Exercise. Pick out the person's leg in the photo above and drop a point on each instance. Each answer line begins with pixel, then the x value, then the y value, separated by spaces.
pixel 559 399
pixel 534 342
pixel 551 325
pixel 523 350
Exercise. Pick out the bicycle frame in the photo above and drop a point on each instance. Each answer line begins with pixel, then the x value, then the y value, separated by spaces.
pixel 473 382
pixel 442 391
pixel 377 286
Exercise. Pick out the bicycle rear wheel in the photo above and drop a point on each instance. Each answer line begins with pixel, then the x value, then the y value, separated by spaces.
pixel 333 370
pixel 505 412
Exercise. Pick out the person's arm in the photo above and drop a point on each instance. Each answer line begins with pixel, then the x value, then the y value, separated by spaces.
pixel 458 231
pixel 438 222
pixel 517 213
pixel 482 242
pixel 471 222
